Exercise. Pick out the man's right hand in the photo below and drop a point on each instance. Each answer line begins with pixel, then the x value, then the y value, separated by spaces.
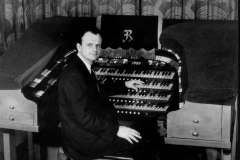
pixel 129 134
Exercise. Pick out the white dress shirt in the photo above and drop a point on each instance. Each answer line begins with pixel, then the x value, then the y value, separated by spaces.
pixel 87 65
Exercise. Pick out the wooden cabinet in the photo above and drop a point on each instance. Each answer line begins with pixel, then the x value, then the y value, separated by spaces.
pixel 16 112
pixel 197 124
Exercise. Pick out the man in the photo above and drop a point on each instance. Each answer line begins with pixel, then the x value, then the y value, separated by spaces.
pixel 89 125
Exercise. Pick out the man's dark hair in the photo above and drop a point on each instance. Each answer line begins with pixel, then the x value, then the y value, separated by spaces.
pixel 92 30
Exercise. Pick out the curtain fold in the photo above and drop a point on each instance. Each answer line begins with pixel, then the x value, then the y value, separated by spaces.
pixel 17 15
pixel 191 9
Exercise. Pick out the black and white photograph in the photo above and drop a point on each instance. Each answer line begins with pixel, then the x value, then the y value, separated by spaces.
pixel 119 80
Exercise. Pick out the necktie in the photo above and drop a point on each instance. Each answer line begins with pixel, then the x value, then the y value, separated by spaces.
pixel 93 74
pixel 95 79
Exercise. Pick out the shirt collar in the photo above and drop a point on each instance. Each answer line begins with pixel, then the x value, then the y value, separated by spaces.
pixel 86 64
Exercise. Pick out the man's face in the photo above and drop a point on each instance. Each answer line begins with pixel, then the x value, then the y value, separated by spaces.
pixel 91 47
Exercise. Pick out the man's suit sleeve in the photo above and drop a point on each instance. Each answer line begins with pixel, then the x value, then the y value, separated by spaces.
pixel 83 108
pixel 113 88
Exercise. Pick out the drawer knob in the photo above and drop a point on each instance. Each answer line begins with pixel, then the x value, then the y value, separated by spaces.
pixel 195 121
pixel 11 118
pixel 195 134
pixel 11 107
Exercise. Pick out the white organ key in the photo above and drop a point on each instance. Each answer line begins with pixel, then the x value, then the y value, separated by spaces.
pixel 101 71
pixel 141 74
pixel 115 73
pixel 108 72
pixel 165 108
pixel 39 93
pixel 172 75
pixel 168 97
pixel 134 74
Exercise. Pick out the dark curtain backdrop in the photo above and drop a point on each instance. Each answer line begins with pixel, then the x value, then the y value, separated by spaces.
pixel 17 15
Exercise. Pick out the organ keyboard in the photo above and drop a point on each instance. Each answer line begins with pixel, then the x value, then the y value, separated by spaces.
pixel 160 73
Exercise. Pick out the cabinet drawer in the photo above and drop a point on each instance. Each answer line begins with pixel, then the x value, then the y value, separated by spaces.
pixel 195 132
pixel 197 114
pixel 16 117
pixel 14 101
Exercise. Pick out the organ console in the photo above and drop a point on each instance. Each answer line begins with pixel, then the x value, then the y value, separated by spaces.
pixel 30 69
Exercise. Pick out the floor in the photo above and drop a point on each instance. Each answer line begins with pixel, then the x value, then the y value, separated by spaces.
pixel 168 152
pixel 165 152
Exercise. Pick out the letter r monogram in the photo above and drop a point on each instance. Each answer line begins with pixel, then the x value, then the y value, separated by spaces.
pixel 127 35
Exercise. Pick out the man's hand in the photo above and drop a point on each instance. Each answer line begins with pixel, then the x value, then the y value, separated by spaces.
pixel 133 84
pixel 128 134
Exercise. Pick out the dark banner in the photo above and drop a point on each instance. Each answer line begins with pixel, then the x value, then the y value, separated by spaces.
pixel 130 32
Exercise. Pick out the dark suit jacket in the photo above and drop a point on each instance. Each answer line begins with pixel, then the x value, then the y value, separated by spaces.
pixel 89 124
